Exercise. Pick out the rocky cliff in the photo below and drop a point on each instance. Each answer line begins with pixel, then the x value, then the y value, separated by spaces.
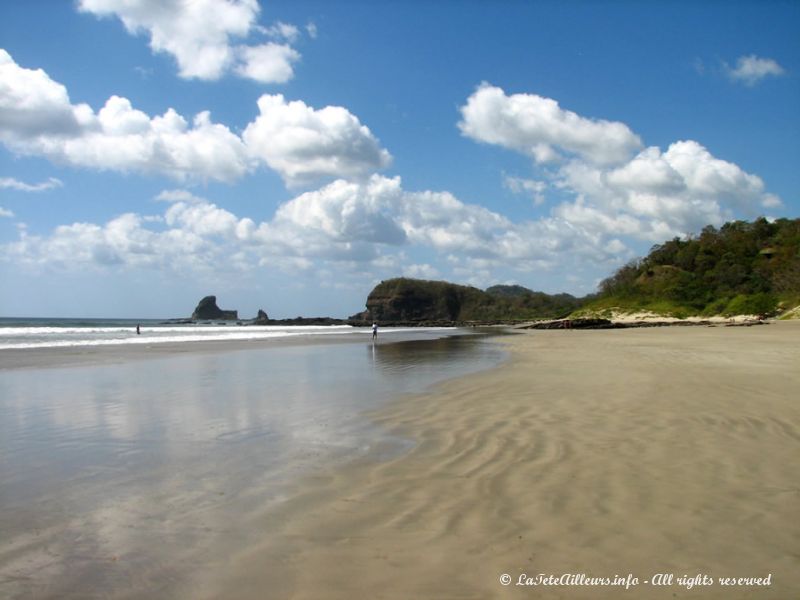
pixel 207 309
pixel 404 300
pixel 416 301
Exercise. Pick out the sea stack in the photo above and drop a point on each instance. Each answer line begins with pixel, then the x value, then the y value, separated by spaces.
pixel 207 309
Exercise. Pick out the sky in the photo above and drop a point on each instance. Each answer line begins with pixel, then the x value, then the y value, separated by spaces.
pixel 289 155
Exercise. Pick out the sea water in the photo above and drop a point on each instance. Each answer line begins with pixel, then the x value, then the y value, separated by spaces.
pixel 133 474
pixel 20 333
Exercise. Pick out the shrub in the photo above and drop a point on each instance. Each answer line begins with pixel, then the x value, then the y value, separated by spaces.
pixel 753 304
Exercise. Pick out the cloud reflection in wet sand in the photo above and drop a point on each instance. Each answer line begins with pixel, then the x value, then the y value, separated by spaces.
pixel 128 478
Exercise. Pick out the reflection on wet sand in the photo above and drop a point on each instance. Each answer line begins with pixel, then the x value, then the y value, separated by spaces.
pixel 126 479
pixel 430 355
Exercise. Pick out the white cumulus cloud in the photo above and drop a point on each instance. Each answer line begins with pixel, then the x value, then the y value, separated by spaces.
pixel 541 129
pixel 200 35
pixel 267 63
pixel 301 143
pixel 304 144
pixel 343 225
pixel 196 236
pixel 751 69
pixel 4 212
pixel 658 194
pixel 37 118
pixel 650 195
pixel 31 103
pixel 205 219
pixel 359 220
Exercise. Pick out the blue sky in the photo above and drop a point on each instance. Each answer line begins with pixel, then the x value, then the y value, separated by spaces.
pixel 290 155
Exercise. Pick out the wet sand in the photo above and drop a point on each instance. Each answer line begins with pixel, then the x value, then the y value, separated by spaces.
pixel 37 358
pixel 626 452
pixel 135 474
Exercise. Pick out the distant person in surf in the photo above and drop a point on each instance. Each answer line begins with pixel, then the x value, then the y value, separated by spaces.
pixel 138 332
pixel 374 331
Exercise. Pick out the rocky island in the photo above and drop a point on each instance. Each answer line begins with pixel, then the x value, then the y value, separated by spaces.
pixel 207 310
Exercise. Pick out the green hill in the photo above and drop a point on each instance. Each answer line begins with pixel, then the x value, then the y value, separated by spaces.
pixel 414 300
pixel 508 291
pixel 740 268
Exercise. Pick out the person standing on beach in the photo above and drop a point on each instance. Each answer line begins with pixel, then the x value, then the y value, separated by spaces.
pixel 137 329
pixel 374 331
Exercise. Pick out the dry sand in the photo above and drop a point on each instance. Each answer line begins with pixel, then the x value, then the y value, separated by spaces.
pixel 608 453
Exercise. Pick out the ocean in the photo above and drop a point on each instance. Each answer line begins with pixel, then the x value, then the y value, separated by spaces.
pixel 19 333
pixel 136 472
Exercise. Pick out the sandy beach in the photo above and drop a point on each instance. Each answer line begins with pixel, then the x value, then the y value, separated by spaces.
pixel 627 453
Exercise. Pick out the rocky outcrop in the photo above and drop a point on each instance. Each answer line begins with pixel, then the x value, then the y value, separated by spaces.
pixel 263 319
pixel 207 310
pixel 308 321
pixel 596 323
pixel 404 300
pixel 416 301
pixel 575 324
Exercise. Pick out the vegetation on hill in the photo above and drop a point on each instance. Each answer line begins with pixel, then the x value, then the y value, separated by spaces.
pixel 740 268
pixel 403 299
pixel 508 291
pixel 535 304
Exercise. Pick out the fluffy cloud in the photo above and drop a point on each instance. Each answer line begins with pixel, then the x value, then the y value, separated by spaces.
pixel 5 213
pixel 192 235
pixel 124 139
pixel 348 212
pixel 32 104
pixel 199 36
pixel 658 195
pixel 369 223
pixel 540 128
pixel 362 221
pixel 267 63
pixel 14 184
pixel 652 195
pixel 304 144
pixel 37 118
pixel 207 220
pixel 750 70
pixel 299 142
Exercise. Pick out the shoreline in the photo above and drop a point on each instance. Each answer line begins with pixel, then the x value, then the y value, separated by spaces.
pixel 636 451
pixel 89 355
pixel 80 356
